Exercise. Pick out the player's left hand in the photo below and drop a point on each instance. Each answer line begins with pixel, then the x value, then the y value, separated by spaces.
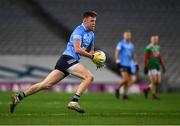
pixel 145 70
pixel 99 59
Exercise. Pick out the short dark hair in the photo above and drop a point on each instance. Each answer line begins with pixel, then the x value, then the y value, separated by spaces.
pixel 154 35
pixel 127 31
pixel 89 14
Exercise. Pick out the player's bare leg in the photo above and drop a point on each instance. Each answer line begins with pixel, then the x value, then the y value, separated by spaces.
pixel 154 82
pixel 125 95
pixel 131 81
pixel 147 90
pixel 151 87
pixel 53 78
pixel 123 82
pixel 82 72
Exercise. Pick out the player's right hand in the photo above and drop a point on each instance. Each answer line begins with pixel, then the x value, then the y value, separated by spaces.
pixel 118 65
pixel 164 70
pixel 145 70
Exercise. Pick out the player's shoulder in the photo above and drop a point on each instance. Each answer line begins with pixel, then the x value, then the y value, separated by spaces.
pixel 78 30
pixel 149 46
pixel 120 42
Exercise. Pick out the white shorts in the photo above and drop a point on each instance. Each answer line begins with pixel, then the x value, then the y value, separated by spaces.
pixel 154 72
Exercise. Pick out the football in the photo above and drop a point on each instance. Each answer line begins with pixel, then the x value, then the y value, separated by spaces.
pixel 99 57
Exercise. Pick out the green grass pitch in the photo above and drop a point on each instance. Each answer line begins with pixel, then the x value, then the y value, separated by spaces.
pixel 101 108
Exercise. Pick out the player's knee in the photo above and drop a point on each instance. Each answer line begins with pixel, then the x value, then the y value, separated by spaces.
pixel 89 77
pixel 157 82
pixel 134 79
pixel 125 81
pixel 92 78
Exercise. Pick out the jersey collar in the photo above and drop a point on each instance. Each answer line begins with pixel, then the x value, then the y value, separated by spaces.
pixel 126 41
pixel 84 27
pixel 153 44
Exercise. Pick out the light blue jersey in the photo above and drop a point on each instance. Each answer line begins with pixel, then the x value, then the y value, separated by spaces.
pixel 126 51
pixel 82 34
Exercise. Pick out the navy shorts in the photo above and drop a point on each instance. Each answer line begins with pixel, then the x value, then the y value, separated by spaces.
pixel 64 62
pixel 130 70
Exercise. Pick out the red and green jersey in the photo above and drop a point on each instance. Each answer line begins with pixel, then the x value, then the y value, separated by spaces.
pixel 152 57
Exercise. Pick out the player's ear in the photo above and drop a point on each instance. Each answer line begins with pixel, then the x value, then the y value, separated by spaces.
pixel 84 19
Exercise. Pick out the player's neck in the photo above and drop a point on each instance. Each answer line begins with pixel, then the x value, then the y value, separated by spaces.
pixel 85 27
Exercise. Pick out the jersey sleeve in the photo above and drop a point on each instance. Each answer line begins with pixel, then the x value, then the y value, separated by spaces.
pixel 77 35
pixel 119 46
pixel 146 56
pixel 147 50
pixel 92 42
pixel 161 59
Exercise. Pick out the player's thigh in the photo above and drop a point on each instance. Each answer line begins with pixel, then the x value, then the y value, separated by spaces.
pixel 80 71
pixel 125 75
pixel 153 78
pixel 158 79
pixel 53 78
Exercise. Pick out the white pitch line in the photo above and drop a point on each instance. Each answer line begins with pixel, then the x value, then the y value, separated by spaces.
pixel 87 114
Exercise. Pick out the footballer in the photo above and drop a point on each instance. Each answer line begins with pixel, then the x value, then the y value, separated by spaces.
pixel 152 63
pixel 126 63
pixel 81 43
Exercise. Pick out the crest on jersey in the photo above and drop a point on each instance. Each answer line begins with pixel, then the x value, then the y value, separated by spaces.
pixel 87 37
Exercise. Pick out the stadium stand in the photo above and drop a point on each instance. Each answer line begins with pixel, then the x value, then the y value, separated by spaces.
pixel 143 18
pixel 24 34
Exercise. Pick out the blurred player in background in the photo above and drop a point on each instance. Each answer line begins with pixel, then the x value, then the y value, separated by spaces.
pixel 152 62
pixel 81 43
pixel 125 59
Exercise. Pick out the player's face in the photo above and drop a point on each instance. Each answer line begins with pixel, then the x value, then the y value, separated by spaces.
pixel 154 39
pixel 127 36
pixel 90 23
